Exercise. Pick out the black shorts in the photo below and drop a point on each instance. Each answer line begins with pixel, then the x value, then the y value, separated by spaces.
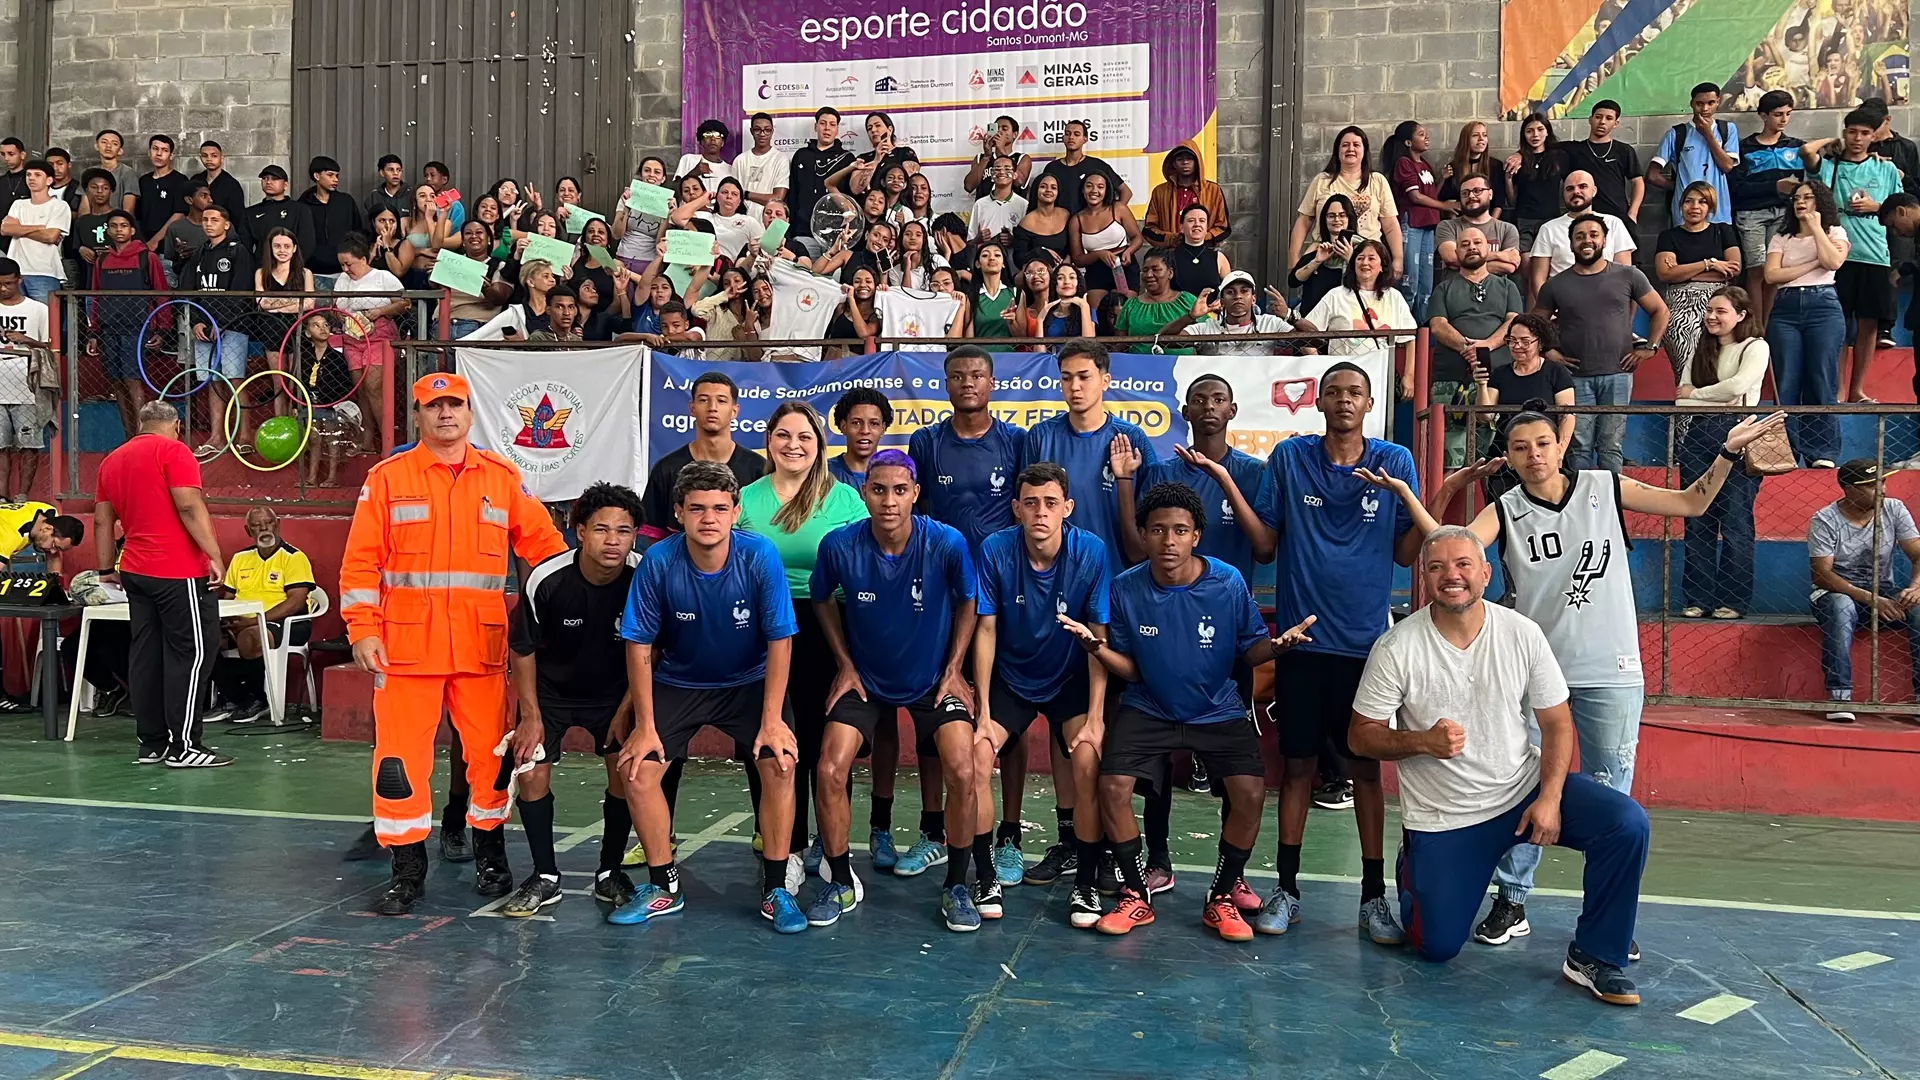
pixel 734 711
pixel 929 715
pixel 595 720
pixel 1017 714
pixel 302 631
pixel 1313 701
pixel 1142 746
pixel 1867 292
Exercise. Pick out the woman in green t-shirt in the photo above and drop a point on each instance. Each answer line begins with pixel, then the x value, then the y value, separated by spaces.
pixel 795 505
pixel 1157 304
pixel 995 300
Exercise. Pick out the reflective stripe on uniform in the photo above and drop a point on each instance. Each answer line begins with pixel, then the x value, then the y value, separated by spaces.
pixel 493 515
pixel 442 579
pixel 403 512
pixel 359 598
pixel 481 813
pixel 387 826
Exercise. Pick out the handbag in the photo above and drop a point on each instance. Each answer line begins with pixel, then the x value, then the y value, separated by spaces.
pixel 1770 455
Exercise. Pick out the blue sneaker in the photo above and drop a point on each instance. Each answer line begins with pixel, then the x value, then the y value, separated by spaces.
pixel 649 901
pixel 784 911
pixel 880 845
pixel 956 907
pixel 1377 923
pixel 923 856
pixel 1008 864
pixel 1281 910
pixel 811 859
pixel 832 901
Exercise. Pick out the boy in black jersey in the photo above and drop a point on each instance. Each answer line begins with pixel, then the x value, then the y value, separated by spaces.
pixel 569 670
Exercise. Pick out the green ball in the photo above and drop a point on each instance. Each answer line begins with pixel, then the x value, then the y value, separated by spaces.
pixel 278 440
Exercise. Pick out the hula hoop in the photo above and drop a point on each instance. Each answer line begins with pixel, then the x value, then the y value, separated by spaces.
pixel 306 430
pixel 299 321
pixel 140 347
pixel 212 374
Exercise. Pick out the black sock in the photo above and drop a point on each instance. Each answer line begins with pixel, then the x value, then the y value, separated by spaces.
pixel 1158 815
pixel 753 790
pixel 1233 864
pixel 773 875
pixel 957 863
pixel 613 836
pixel 666 876
pixel 1007 833
pixel 536 817
pixel 1064 815
pixel 1287 865
pixel 670 785
pixel 983 858
pixel 882 816
pixel 1373 879
pixel 1132 870
pixel 1086 873
pixel 933 825
pixel 453 816
pixel 842 867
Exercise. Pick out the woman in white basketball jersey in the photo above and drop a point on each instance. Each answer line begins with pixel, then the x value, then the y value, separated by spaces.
pixel 1564 546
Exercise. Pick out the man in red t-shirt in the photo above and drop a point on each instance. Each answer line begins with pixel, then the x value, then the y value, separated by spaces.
pixel 170 566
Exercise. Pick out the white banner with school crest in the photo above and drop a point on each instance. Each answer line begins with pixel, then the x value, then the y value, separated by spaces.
pixel 567 418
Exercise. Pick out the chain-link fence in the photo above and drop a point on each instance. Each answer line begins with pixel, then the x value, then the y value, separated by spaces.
pixel 1791 587
pixel 242 368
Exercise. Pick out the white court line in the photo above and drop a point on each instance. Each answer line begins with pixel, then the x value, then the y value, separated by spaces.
pixel 1186 868
pixel 1585 1067
pixel 1855 961
pixel 1717 1008
pixel 579 836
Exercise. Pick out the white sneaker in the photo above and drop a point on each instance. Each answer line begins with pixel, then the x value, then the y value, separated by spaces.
pixel 1820 463
pixel 1840 717
pixel 1912 463
pixel 796 873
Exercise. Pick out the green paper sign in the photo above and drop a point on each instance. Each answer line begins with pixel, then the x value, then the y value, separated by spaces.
pixel 600 256
pixel 689 247
pixel 459 273
pixel 557 253
pixel 650 199
pixel 776 232
pixel 682 279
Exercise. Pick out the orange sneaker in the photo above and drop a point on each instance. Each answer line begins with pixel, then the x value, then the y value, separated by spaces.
pixel 1222 916
pixel 1129 913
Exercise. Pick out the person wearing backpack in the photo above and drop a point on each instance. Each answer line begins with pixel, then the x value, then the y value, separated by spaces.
pixel 1706 149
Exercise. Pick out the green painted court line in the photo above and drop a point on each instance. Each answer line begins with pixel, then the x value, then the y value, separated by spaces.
pixel 1585 1067
pixel 1717 1008
pixel 1855 961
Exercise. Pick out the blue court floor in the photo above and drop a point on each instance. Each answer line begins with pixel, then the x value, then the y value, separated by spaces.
pixel 145 944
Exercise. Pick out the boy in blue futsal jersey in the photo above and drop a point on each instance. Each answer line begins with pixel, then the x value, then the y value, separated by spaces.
pixel 710 628
pixel 909 589
pixel 1025 666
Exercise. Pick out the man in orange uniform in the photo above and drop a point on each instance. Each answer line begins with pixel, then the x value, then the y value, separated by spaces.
pixel 422 593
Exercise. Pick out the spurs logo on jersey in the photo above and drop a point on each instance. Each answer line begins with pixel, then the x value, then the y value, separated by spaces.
pixel 1589 570
pixel 1559 559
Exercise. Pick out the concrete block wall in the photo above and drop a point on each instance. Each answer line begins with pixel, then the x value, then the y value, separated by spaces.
pixel 9 62
pixel 192 69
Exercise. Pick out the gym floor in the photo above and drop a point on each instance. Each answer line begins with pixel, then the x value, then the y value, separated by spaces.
pixel 200 925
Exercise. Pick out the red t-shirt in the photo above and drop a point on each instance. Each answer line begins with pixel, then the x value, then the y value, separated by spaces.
pixel 136 479
pixel 1412 174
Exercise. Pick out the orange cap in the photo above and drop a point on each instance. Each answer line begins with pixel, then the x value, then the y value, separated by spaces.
pixel 441 384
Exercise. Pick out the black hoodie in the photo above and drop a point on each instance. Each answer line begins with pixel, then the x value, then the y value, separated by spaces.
pixel 332 221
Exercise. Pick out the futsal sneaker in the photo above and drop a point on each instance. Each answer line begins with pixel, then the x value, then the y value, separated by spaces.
pixel 1107 877
pixel 151 755
pixel 1159 879
pixel 1128 915
pixel 989 899
pixel 612 887
pixel 796 873
pixel 1281 910
pixel 1008 864
pixel 649 901
pixel 956 908
pixel 759 844
pixel 197 757
pixel 635 856
pixel 1337 795
pixel 1244 897
pixel 453 844
pixel 1084 909
pixel 1378 924
pixel 832 901
pixel 537 892
pixel 1223 918
pixel 1060 859
pixel 218 713
pixel 781 909
pixel 880 847
pixel 923 856
pixel 810 859
pixel 1505 922
pixel 1608 983
pixel 247 712
pixel 1633 952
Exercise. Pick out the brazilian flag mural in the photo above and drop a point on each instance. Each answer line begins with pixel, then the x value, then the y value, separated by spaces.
pixel 1560 56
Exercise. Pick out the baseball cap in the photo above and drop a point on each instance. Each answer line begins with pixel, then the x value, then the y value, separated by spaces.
pixel 274 171
pixel 1859 471
pixel 441 384
pixel 1239 277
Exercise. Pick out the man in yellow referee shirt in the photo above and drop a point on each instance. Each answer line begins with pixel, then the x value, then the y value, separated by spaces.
pixel 31 531
pixel 280 577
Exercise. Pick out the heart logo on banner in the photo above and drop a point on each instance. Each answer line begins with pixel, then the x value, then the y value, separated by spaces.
pixel 1293 394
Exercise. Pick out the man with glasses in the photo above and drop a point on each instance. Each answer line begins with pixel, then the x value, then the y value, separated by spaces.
pixel 762 171
pixel 1476 212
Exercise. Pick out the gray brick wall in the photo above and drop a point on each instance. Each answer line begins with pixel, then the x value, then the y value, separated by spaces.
pixel 9 60
pixel 192 69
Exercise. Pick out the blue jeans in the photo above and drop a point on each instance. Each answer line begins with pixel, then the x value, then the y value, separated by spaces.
pixel 39 287
pixel 1840 618
pixel 233 353
pixel 1719 545
pixel 1442 876
pixel 1417 247
pixel 1597 439
pixel 1805 333
pixel 460 328
pixel 1606 723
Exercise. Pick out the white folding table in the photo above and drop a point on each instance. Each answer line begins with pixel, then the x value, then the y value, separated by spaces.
pixel 229 609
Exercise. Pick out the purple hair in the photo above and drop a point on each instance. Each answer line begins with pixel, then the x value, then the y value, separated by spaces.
pixel 896 458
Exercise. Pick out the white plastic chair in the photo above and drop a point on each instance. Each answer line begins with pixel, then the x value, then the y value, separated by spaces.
pixel 317 605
